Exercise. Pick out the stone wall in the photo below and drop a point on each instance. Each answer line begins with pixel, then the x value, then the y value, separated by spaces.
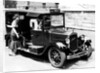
pixel 82 19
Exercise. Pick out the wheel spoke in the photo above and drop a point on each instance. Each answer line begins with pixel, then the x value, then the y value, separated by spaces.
pixel 55 56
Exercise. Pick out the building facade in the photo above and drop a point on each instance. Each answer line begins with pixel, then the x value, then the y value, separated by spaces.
pixel 81 19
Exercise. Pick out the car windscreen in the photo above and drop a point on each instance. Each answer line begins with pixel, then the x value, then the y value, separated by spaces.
pixel 56 20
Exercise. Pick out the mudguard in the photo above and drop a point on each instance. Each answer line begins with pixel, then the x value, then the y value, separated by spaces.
pixel 61 46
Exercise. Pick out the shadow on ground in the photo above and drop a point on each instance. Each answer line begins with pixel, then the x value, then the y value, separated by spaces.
pixel 44 59
pixel 34 57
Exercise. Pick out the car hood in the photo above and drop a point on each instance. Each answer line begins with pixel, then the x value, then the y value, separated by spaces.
pixel 60 31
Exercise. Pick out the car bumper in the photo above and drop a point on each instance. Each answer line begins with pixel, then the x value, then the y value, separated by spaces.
pixel 80 54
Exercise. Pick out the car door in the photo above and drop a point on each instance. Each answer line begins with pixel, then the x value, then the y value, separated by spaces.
pixel 38 36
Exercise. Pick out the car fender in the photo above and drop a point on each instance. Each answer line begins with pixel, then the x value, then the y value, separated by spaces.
pixel 61 46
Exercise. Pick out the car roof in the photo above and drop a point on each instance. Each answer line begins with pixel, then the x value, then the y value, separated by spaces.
pixel 32 13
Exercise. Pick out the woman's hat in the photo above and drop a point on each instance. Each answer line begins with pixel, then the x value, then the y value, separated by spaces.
pixel 15 16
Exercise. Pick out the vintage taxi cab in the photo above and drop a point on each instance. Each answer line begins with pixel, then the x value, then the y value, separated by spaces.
pixel 47 35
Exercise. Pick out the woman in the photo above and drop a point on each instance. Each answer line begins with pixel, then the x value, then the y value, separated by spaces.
pixel 14 31
pixel 14 27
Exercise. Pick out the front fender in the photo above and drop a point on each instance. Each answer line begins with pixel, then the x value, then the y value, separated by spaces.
pixel 60 45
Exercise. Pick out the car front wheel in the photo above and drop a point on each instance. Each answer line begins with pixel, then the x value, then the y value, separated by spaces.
pixel 56 57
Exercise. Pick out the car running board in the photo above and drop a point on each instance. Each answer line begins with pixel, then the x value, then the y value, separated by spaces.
pixel 31 45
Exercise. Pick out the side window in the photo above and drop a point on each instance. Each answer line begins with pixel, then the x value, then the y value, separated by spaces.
pixel 34 24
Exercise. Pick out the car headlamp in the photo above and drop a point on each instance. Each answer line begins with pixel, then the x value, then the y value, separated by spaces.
pixel 82 37
pixel 85 38
pixel 67 40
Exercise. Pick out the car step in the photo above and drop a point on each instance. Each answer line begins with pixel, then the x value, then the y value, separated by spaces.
pixel 31 45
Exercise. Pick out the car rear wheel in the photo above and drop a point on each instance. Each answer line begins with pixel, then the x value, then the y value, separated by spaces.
pixel 56 57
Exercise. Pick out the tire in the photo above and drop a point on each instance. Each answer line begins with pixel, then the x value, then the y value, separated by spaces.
pixel 14 45
pixel 56 57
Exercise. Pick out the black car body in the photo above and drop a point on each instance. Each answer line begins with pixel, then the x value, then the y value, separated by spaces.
pixel 52 39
